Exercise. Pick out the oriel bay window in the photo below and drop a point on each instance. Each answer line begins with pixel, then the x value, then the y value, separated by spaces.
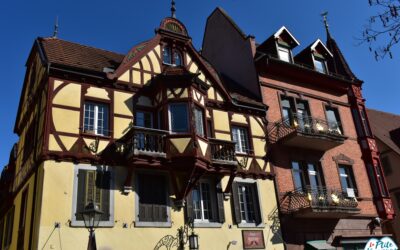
pixel 93 184
pixel 96 118
pixel 152 200
pixel 241 138
pixel 178 117
pixel 246 203
pixel 205 204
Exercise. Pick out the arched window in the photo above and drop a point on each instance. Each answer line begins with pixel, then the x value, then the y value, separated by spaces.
pixel 172 56
pixel 167 57
pixel 177 58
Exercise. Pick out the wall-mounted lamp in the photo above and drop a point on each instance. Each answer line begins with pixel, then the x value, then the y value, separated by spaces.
pixel 184 236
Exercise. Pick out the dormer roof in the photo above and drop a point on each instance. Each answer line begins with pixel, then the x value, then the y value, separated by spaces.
pixel 284 30
pixel 318 42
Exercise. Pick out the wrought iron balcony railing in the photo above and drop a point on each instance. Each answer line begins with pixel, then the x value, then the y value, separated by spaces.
pixel 319 199
pixel 146 141
pixel 222 151
pixel 306 125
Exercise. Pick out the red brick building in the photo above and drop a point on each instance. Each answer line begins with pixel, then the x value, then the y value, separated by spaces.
pixel 329 182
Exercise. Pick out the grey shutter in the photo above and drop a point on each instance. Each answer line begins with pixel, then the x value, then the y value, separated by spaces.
pixel 189 207
pixel 105 199
pixel 257 212
pixel 80 198
pixel 235 201
pixel 220 203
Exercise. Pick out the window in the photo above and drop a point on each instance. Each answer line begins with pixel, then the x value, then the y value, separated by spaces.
pixel 284 54
pixel 287 110
pixel 307 175
pixel 172 56
pixel 359 128
pixel 205 204
pixel 241 138
pixel 198 119
pixel 210 133
pixel 8 230
pixel 333 119
pixel 246 203
pixel 380 177
pixel 29 140
pixel 387 168
pixel 347 180
pixel 178 117
pixel 96 118
pixel 320 65
pixel 365 122
pixel 152 200
pixel 144 119
pixel 22 219
pixel 397 195
pixel 93 184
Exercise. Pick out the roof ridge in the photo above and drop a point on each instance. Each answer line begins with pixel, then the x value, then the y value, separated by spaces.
pixel 83 45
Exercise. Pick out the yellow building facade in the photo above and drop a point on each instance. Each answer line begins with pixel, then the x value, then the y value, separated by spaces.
pixel 155 138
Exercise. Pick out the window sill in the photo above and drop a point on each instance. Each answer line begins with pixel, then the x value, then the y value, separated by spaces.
pixel 107 137
pixel 250 225
pixel 207 225
pixel 152 224
pixel 75 223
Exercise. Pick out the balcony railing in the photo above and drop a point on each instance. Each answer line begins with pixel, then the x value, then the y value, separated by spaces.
pixel 222 151
pixel 319 200
pixel 307 126
pixel 146 141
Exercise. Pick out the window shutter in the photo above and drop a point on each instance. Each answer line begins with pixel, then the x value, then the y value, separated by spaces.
pixel 105 195
pixel 236 206
pixel 80 199
pixel 220 203
pixel 257 212
pixel 189 207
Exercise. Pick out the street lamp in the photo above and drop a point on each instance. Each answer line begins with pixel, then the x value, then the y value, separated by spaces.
pixel 91 217
pixel 184 236
pixel 193 241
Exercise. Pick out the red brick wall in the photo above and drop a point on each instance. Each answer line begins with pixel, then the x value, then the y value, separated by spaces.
pixel 282 156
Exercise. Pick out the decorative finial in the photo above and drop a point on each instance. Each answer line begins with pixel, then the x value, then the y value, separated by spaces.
pixel 325 16
pixel 55 32
pixel 173 9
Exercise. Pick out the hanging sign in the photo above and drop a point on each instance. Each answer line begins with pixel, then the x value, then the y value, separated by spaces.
pixel 385 243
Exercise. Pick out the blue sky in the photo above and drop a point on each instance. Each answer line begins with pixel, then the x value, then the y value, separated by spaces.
pixel 118 25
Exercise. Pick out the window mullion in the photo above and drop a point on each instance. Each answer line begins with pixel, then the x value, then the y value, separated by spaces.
pixel 95 122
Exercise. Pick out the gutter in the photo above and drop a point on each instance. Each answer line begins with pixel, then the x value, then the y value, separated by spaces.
pixel 249 107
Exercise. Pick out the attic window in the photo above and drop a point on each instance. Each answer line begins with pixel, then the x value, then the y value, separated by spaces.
pixel 172 56
pixel 320 65
pixel 284 54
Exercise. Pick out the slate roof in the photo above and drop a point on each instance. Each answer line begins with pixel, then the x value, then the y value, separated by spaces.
pixel 58 51
pixel 386 127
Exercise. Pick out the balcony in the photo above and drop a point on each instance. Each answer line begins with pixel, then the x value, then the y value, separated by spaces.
pixel 307 132
pixel 222 152
pixel 145 141
pixel 319 202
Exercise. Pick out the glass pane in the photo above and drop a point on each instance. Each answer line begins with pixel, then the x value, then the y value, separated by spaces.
pixel 167 58
pixel 320 65
pixel 144 119
pixel 178 117
pixel 284 54
pixel 89 117
pixel 177 58
pixel 198 116
pixel 313 175
pixel 239 136
pixel 297 176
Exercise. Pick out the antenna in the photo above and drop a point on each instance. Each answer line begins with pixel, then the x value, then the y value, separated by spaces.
pixel 173 9
pixel 325 17
pixel 55 32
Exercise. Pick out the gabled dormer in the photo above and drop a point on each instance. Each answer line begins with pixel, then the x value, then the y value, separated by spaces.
pixel 316 56
pixel 280 45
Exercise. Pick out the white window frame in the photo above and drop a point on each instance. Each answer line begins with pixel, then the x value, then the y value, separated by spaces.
pixel 285 50
pixel 76 223
pixel 213 197
pixel 96 117
pixel 239 142
pixel 245 224
pixel 139 223
pixel 323 63
pixel 170 120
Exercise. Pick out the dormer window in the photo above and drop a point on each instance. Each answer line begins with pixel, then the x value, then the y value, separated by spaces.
pixel 320 65
pixel 284 54
pixel 172 56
